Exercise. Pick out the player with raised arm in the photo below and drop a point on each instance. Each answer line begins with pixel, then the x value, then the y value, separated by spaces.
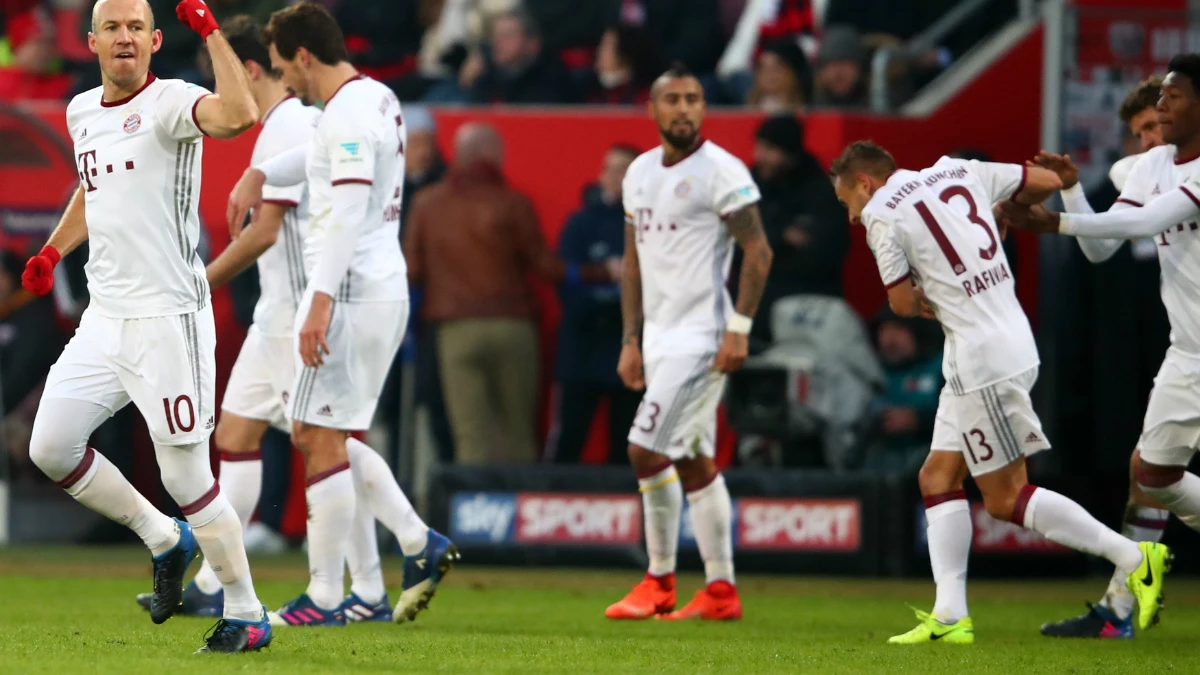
pixel 351 319
pixel 934 229
pixel 147 335
pixel 687 202
pixel 1165 182
pixel 1145 518
pixel 257 392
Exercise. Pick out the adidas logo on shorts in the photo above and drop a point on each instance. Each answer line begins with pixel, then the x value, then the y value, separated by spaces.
pixel 210 423
pixel 324 411
pixel 1032 438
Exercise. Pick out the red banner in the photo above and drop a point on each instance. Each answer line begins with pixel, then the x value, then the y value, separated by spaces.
pixel 799 524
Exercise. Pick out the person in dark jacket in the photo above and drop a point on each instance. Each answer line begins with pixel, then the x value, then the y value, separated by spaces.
pixel 627 63
pixel 589 336
pixel 519 69
pixel 383 39
pixel 804 222
pixel 688 30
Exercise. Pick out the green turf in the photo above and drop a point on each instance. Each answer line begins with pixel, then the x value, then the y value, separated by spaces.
pixel 71 610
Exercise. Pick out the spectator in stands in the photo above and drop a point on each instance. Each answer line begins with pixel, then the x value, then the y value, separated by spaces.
pixel 472 244
pixel 589 336
pixel 30 342
pixel 905 411
pixel 30 67
pixel 687 30
pixel 803 220
pixel 758 23
pixel 782 79
pixel 423 162
pixel 627 63
pixel 384 38
pixel 517 68
pixel 841 80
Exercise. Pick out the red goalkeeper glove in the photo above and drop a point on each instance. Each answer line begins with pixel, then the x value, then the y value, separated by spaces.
pixel 39 271
pixel 197 15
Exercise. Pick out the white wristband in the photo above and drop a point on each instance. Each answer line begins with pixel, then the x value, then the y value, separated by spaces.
pixel 739 324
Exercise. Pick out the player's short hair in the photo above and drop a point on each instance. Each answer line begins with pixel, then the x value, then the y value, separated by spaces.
pixel 625 148
pixel 863 157
pixel 245 36
pixel 1187 65
pixel 1144 95
pixel 307 25
pixel 96 12
pixel 677 71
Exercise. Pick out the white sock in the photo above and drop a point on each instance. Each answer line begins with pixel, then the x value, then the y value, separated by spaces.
pixel 712 521
pixel 330 518
pixel 662 504
pixel 1062 520
pixel 1183 498
pixel 219 533
pixel 241 484
pixel 377 486
pixel 366 570
pixel 1142 523
pixel 949 533
pixel 99 485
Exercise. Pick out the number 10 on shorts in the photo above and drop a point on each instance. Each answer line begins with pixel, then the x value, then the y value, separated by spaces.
pixel 174 416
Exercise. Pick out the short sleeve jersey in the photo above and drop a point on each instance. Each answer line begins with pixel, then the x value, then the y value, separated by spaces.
pixel 281 273
pixel 936 227
pixel 138 161
pixel 683 247
pixel 1155 174
pixel 360 139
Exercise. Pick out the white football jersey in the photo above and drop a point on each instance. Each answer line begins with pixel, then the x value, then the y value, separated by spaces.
pixel 683 246
pixel 139 165
pixel 936 226
pixel 281 275
pixel 1155 174
pixel 360 139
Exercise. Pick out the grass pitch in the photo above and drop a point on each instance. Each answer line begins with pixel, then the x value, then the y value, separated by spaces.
pixel 71 610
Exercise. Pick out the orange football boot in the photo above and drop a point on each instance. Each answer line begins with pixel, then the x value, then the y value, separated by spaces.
pixel 716 602
pixel 651 597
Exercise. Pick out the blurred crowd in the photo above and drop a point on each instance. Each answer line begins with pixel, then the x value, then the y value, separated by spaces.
pixel 770 55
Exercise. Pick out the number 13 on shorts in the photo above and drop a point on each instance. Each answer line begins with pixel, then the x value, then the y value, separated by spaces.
pixel 992 427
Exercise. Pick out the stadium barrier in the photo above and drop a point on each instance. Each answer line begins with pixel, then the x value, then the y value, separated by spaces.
pixel 794 522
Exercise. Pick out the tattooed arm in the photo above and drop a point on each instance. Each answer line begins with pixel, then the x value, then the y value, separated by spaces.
pixel 629 367
pixel 745 225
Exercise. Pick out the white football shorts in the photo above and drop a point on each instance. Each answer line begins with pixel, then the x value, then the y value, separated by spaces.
pixel 678 414
pixel 363 339
pixel 166 365
pixel 261 378
pixel 1171 431
pixel 992 427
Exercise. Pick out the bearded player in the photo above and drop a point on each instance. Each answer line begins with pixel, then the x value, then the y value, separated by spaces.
pixel 934 228
pixel 687 202
pixel 351 319
pixel 1164 181
pixel 147 335
pixel 1145 518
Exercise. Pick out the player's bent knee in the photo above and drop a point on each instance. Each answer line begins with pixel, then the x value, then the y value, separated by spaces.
pixel 696 474
pixel 939 474
pixel 1152 477
pixel 646 462
pixel 55 449
pixel 1001 503
pixel 185 470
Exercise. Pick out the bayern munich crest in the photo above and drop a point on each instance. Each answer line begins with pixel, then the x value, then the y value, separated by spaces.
pixel 133 123
pixel 683 189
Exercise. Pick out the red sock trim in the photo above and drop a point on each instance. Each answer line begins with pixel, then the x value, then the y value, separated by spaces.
pixel 317 478
pixel 1160 480
pixel 1149 524
pixel 205 500
pixel 1018 514
pixel 227 456
pixel 701 486
pixel 654 470
pixel 89 457
pixel 933 500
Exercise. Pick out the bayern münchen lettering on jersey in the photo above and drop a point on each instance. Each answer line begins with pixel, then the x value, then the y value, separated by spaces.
pixel 936 226
pixel 683 247
pixel 281 273
pixel 360 139
pixel 139 166
pixel 1157 173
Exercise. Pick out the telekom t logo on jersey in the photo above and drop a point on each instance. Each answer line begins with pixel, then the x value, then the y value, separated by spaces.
pixel 89 168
